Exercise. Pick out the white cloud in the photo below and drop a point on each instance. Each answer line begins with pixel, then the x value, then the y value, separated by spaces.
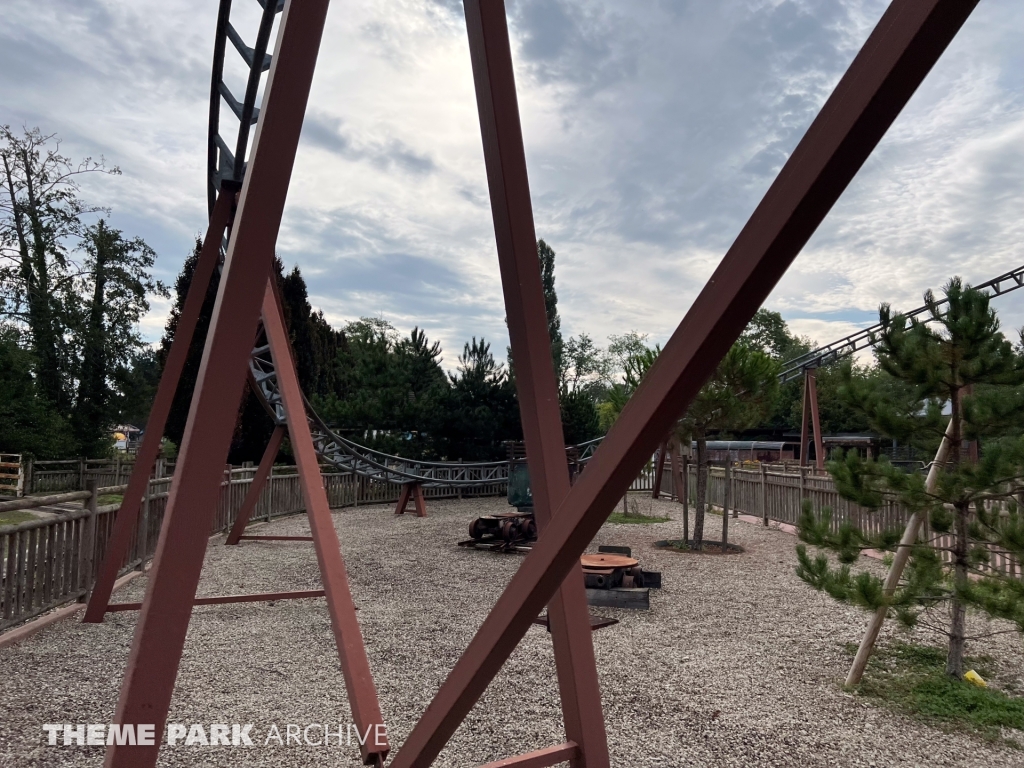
pixel 652 130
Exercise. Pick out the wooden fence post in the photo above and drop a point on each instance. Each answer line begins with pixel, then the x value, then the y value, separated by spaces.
pixel 29 467
pixel 686 498
pixel 81 474
pixel 269 489
pixel 726 487
pixel 144 525
pixel 86 555
pixel 764 495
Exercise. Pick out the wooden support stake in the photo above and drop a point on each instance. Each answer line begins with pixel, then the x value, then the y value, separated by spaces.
pixel 85 567
pixel 421 503
pixel 686 498
pixel 899 562
pixel 727 483
pixel 764 495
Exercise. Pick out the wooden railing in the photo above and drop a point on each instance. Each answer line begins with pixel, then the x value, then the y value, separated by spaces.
pixel 770 493
pixel 52 476
pixel 47 562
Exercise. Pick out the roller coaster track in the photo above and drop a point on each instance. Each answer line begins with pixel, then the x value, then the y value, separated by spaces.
pixel 226 163
pixel 849 345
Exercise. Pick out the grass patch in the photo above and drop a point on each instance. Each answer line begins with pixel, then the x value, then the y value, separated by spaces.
pixel 618 517
pixel 912 680
pixel 13 518
pixel 109 498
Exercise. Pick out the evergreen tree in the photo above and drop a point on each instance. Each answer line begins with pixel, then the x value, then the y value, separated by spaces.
pixel 481 410
pixel 178 414
pixel 314 342
pixel 118 277
pixel 29 424
pixel 253 425
pixel 934 363
pixel 547 278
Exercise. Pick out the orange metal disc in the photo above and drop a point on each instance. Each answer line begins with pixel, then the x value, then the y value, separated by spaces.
pixel 607 561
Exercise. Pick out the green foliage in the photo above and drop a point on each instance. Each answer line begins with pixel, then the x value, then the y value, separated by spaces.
pixel 547 278
pixel 41 220
pixel 910 679
pixel 29 423
pixel 72 292
pixel 736 395
pixel 481 410
pixel 930 366
pixel 118 277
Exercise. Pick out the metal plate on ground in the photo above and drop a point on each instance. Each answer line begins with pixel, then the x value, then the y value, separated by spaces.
pixel 608 560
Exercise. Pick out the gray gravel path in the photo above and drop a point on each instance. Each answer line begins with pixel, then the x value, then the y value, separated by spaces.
pixel 737 662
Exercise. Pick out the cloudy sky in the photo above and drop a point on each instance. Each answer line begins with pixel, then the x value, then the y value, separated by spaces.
pixel 652 128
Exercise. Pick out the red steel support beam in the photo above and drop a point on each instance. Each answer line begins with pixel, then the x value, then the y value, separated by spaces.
pixel 809 413
pixel 355 666
pixel 403 499
pixel 163 622
pixel 541 758
pixel 805 414
pixel 421 502
pixel 897 56
pixel 128 515
pixel 224 599
pixel 536 385
pixel 259 480
pixel 415 492
pixel 812 398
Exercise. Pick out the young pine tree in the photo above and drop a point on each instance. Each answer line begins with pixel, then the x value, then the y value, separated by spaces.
pixel 952 365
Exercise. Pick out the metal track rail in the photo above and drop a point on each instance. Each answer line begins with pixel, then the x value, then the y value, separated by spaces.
pixel 837 350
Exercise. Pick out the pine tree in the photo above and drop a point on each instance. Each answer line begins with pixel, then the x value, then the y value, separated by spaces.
pixel 118 276
pixel 955 360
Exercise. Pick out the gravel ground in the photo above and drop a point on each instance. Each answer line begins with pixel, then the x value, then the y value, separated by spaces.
pixel 737 662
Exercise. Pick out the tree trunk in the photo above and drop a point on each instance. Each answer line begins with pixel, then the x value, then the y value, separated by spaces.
pixel 702 492
pixel 957 609
pixel 90 407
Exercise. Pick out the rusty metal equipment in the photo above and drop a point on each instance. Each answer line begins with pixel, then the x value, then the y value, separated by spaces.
pixel 894 60
pixel 614 579
pixel 516 531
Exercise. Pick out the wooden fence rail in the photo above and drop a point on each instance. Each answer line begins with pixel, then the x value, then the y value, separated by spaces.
pixel 776 495
pixel 47 562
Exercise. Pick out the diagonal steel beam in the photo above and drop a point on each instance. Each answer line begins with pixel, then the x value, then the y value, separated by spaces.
pixel 160 633
pixel 355 667
pixel 897 56
pixel 259 480
pixel 128 514
pixel 536 386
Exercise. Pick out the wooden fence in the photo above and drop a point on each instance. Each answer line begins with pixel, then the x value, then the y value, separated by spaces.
pixel 770 492
pixel 47 562
pixel 12 480
pixel 74 474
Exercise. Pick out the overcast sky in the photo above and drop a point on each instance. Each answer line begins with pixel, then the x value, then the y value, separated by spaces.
pixel 652 130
